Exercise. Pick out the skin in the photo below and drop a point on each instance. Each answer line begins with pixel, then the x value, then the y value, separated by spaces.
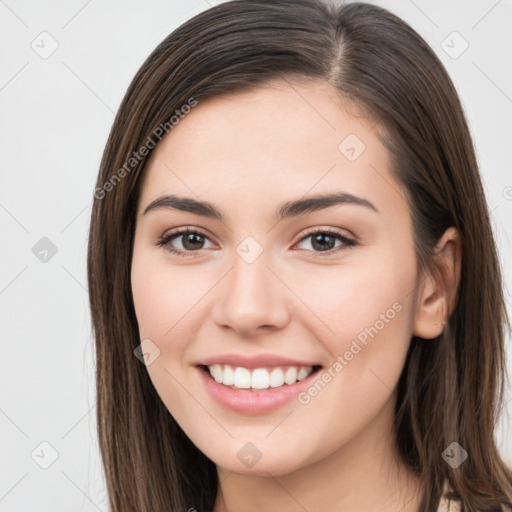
pixel 247 153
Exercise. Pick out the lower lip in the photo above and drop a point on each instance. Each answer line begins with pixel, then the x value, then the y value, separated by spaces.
pixel 254 402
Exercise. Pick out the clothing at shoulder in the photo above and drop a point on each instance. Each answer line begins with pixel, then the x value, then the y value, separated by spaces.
pixel 450 503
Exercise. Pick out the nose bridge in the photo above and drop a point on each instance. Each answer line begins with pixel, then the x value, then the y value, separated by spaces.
pixel 252 296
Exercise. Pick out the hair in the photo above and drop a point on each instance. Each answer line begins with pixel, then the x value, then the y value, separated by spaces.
pixel 451 388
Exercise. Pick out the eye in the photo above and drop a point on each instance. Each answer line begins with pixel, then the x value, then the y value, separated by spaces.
pixel 192 240
pixel 324 241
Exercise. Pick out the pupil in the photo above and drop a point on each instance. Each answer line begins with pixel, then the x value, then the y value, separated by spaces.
pixel 192 239
pixel 323 246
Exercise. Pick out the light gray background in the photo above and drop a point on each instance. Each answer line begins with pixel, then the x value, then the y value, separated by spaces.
pixel 56 113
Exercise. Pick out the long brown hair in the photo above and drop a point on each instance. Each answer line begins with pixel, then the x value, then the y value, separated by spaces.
pixel 451 389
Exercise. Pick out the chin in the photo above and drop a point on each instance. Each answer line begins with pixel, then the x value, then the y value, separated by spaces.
pixel 260 457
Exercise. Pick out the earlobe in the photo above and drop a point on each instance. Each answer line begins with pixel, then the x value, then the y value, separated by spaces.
pixel 437 294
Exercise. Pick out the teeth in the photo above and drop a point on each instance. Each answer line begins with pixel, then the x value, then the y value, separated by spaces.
pixel 276 378
pixel 242 378
pixel 228 377
pixel 216 372
pixel 259 378
pixel 290 377
pixel 303 373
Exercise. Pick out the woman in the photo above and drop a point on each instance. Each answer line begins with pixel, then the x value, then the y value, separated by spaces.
pixel 294 285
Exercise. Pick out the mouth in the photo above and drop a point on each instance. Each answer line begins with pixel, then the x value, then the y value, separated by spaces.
pixel 258 379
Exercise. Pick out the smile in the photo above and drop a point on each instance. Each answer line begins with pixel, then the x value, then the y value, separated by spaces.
pixel 258 390
pixel 258 378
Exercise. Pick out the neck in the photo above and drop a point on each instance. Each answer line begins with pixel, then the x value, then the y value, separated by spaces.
pixel 364 474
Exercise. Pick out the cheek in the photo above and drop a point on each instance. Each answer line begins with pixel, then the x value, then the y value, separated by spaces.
pixel 163 295
pixel 165 300
pixel 365 313
pixel 354 298
pixel 368 312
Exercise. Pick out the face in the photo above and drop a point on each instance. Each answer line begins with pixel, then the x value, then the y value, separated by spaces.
pixel 277 331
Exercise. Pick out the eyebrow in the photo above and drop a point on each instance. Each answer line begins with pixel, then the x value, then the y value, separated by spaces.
pixel 288 209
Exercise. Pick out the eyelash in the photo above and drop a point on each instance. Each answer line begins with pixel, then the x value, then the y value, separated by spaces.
pixel 164 241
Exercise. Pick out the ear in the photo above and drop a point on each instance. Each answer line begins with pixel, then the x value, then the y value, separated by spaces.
pixel 437 295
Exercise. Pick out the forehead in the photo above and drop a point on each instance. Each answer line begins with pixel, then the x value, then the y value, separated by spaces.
pixel 278 140
pixel 280 118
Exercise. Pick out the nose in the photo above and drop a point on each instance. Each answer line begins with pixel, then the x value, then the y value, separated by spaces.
pixel 252 299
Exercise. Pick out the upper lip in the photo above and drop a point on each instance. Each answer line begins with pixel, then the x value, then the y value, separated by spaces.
pixel 258 361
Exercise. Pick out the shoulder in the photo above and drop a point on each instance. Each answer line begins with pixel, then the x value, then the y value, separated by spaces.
pixel 450 501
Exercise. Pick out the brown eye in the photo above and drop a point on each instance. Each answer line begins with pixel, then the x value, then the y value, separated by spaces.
pixel 325 241
pixel 191 241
